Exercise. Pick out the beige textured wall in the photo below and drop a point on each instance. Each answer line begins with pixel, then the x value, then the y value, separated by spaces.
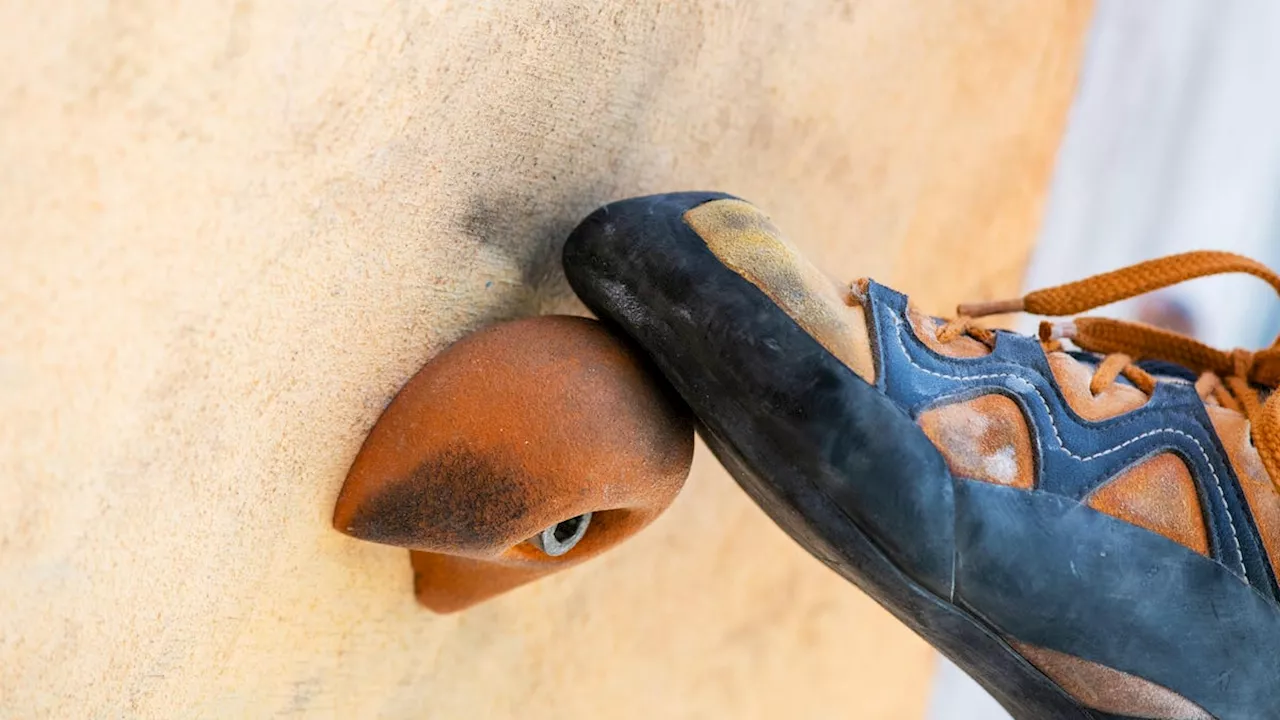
pixel 230 231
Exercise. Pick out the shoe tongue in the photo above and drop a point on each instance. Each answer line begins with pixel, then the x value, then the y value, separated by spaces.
pixel 1085 357
pixel 1160 369
pixel 1164 368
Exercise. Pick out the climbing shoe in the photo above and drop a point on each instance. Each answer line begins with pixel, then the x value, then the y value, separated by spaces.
pixel 1086 521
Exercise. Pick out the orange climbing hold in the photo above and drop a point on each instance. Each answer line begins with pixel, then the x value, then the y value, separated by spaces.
pixel 520 450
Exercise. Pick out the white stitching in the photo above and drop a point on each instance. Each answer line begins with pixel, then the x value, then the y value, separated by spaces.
pixel 1217 482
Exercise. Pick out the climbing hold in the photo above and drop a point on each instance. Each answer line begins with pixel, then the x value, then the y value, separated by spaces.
pixel 522 449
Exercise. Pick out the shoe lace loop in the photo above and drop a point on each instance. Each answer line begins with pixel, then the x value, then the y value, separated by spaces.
pixel 1233 378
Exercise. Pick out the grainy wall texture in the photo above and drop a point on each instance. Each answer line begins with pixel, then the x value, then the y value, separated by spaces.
pixel 229 231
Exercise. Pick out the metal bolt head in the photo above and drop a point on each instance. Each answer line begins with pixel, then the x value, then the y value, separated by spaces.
pixel 561 537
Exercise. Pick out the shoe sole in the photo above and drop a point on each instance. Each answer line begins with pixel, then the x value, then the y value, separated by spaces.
pixel 761 457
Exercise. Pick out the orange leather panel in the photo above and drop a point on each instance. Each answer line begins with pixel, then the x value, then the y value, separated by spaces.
pixel 1073 377
pixel 745 240
pixel 1259 491
pixel 926 328
pixel 1159 495
pixel 1109 690
pixel 985 438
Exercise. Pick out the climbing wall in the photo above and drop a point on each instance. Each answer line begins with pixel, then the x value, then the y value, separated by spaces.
pixel 231 230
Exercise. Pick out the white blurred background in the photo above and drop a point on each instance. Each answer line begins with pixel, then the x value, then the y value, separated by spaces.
pixel 1173 144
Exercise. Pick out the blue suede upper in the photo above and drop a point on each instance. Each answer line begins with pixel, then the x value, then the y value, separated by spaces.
pixel 1074 456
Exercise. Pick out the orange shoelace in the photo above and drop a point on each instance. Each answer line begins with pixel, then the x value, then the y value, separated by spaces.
pixel 1234 379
